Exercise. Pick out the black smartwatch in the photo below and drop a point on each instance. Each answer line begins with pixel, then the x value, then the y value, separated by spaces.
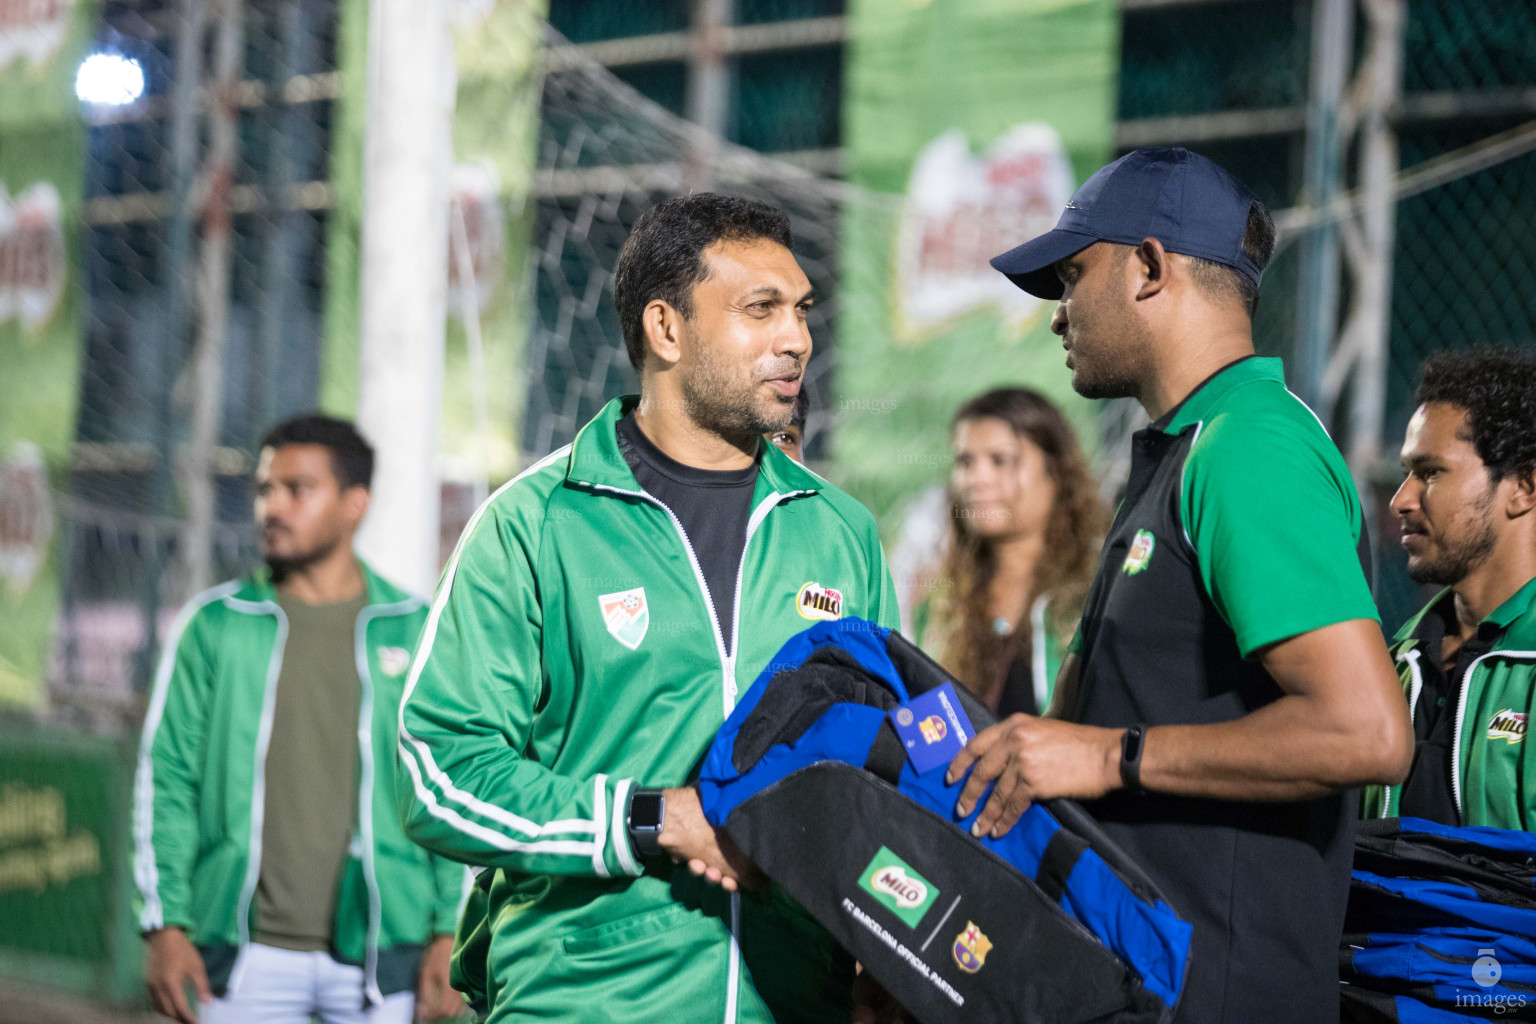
pixel 647 813
pixel 1131 746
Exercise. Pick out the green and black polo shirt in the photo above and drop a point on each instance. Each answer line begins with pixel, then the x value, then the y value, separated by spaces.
pixel 1240 527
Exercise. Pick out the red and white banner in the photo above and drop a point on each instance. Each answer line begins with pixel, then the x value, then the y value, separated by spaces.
pixel 33 267
pixel 33 30
pixel 960 210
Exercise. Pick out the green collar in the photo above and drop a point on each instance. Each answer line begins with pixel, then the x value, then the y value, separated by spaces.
pixel 1519 605
pixel 1197 405
pixel 258 587
pixel 1406 632
pixel 597 461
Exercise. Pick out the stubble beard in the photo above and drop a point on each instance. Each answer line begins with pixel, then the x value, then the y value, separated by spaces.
pixel 1117 373
pixel 283 566
pixel 1462 556
pixel 724 402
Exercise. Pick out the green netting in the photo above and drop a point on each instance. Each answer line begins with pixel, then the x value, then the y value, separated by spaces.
pixel 1465 272
pixel 754 12
pixel 1465 265
pixel 126 158
pixel 1469 44
pixel 788 100
pixel 575 359
pixel 664 83
pixel 586 21
pixel 113 525
pixel 1209 57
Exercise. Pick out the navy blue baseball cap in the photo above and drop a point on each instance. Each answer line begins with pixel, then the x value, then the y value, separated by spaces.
pixel 1180 198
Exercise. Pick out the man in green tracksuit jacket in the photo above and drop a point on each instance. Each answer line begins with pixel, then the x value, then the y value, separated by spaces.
pixel 593 630
pixel 275 878
pixel 1468 659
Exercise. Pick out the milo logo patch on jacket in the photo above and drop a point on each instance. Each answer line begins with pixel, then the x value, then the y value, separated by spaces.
pixel 1508 725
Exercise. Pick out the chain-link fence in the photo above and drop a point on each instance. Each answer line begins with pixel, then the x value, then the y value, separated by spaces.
pixel 1231 80
pixel 217 247
pixel 211 209
pixel 210 247
pixel 1464 269
pixel 206 197
pixel 605 155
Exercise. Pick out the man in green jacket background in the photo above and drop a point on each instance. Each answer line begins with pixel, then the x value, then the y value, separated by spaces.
pixel 593 630
pixel 276 880
pixel 1468 659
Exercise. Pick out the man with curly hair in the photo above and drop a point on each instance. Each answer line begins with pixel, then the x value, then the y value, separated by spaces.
pixel 1468 659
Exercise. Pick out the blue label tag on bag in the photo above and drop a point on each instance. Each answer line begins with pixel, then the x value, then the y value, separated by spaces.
pixel 933 727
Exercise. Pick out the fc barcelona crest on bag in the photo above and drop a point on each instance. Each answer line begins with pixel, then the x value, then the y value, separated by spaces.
pixel 971 948
pixel 626 616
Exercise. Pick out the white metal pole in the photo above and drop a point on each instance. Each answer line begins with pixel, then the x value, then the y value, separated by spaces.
pixel 199 473
pixel 1318 285
pixel 709 86
pixel 406 169
pixel 1378 169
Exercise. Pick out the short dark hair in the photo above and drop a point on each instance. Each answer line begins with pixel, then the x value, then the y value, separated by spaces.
pixel 351 456
pixel 1497 388
pixel 663 258
pixel 1222 281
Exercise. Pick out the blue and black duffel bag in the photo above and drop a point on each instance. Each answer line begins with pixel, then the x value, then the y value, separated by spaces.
pixel 1049 924
pixel 1441 925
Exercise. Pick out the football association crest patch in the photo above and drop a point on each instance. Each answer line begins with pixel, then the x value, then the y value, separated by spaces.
pixel 626 616
pixel 394 660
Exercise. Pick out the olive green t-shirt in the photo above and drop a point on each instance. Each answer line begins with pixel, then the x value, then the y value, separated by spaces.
pixel 311 776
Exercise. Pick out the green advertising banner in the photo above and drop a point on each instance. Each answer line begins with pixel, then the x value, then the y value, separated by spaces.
pixel 495 130
pixel 983 116
pixel 42 43
pixel 63 866
pixel 41 175
pixel 498 47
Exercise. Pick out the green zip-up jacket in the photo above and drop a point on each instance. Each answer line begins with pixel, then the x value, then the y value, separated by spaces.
pixel 1494 780
pixel 572 654
pixel 199 788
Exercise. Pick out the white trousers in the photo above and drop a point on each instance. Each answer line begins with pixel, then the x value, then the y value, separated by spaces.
pixel 280 986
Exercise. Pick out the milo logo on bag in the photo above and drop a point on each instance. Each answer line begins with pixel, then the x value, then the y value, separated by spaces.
pixel 903 891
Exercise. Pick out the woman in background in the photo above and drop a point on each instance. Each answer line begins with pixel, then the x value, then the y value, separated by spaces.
pixel 1024 534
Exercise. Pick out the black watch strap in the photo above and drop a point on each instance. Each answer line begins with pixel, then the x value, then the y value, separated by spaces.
pixel 1131 745
pixel 646 814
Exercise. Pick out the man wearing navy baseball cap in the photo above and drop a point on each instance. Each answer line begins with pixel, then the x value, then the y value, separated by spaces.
pixel 1228 685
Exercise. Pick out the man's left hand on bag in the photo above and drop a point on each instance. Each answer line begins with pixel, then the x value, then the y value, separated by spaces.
pixel 435 997
pixel 170 965
pixel 689 838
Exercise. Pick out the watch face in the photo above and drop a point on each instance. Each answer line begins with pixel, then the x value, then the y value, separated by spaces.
pixel 645 811
pixel 1132 748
